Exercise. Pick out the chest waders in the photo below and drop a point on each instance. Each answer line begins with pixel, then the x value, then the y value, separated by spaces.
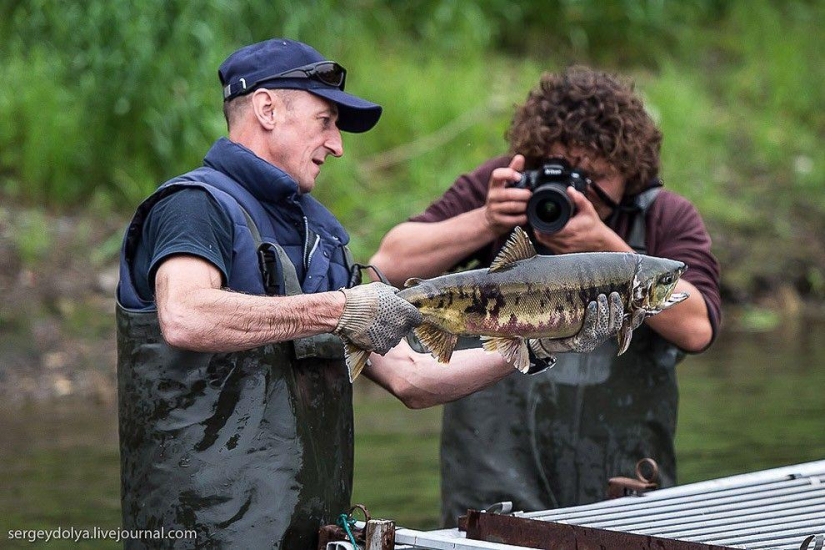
pixel 555 438
pixel 250 449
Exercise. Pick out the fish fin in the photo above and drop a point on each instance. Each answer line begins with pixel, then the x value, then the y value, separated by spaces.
pixel 518 247
pixel 356 360
pixel 514 350
pixel 539 349
pixel 411 282
pixel 440 342
pixel 625 335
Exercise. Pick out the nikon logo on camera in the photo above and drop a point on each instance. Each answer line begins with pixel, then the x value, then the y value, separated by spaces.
pixel 550 208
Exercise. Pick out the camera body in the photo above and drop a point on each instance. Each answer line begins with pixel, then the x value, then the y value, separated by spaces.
pixel 550 208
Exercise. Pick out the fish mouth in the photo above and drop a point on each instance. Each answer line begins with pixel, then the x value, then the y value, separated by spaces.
pixel 675 299
pixel 672 300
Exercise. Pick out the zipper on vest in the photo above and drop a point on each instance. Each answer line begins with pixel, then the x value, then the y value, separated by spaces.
pixel 311 242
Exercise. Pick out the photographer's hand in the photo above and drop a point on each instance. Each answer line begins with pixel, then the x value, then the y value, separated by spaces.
pixel 585 232
pixel 506 206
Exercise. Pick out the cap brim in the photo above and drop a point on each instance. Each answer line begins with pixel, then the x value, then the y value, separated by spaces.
pixel 355 115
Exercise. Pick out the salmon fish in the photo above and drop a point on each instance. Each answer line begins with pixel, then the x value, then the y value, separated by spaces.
pixel 524 295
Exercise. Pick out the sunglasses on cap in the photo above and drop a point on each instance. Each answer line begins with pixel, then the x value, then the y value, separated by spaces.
pixel 325 72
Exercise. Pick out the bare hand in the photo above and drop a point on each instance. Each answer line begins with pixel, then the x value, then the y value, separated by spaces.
pixel 506 206
pixel 585 232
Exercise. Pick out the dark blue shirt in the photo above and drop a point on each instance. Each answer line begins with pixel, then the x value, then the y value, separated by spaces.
pixel 189 222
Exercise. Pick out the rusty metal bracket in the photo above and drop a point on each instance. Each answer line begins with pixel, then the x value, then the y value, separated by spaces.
pixel 625 486
pixel 503 507
pixel 548 535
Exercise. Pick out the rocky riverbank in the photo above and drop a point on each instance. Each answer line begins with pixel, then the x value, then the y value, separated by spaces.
pixel 58 274
pixel 57 280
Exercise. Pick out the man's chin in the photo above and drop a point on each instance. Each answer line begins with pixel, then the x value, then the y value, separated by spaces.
pixel 306 187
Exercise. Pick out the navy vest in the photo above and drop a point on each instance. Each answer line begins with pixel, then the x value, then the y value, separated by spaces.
pixel 248 187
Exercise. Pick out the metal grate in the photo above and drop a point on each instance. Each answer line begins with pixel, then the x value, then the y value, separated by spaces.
pixel 775 509
pixel 772 509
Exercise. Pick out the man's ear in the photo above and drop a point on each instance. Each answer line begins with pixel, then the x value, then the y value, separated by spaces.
pixel 265 106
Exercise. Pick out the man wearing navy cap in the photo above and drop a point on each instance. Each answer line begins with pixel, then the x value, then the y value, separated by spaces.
pixel 235 407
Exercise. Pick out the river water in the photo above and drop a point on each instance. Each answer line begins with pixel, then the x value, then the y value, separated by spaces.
pixel 756 400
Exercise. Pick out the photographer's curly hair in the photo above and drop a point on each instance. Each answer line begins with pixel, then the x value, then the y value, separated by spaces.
pixel 594 110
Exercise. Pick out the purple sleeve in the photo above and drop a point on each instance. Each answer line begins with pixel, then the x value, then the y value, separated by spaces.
pixel 675 230
pixel 468 192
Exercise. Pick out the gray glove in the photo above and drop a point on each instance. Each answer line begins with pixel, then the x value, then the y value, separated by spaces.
pixel 374 318
pixel 603 319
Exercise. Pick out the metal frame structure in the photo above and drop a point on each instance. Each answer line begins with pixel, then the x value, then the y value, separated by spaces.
pixel 777 509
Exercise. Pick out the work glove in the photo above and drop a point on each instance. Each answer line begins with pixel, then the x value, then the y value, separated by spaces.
pixel 602 319
pixel 374 318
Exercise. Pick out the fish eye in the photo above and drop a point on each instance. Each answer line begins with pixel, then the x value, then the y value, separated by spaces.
pixel 666 279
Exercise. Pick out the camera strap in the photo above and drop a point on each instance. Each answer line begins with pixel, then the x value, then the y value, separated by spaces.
pixel 637 235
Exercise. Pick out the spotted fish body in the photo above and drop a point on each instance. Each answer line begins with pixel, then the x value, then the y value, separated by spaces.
pixel 526 296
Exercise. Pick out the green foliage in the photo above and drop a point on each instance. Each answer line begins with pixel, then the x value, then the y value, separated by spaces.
pixel 110 98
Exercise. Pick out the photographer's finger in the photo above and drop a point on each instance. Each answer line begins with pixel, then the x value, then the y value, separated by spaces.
pixel 580 200
pixel 517 163
pixel 509 194
pixel 512 221
pixel 503 177
pixel 509 207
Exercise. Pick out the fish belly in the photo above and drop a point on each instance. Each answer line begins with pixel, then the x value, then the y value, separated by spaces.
pixel 544 297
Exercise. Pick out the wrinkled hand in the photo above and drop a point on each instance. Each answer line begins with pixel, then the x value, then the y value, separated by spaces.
pixel 603 319
pixel 374 318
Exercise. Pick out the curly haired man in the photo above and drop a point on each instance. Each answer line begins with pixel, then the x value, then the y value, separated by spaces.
pixel 555 438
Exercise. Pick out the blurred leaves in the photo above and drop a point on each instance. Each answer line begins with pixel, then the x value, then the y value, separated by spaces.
pixel 108 98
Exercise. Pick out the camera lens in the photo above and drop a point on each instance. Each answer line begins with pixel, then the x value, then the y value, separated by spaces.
pixel 549 209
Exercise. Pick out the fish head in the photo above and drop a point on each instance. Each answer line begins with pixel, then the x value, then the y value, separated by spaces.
pixel 654 283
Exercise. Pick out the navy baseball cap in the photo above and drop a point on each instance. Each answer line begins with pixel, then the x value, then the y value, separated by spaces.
pixel 288 64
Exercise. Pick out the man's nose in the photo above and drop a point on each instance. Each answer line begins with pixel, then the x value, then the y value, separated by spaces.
pixel 335 143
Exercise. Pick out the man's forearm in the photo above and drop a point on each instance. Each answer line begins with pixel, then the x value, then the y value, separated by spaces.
pixel 417 249
pixel 214 320
pixel 687 324
pixel 195 313
pixel 419 381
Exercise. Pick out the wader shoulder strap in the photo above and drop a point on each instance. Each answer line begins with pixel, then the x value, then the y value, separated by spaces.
pixel 327 346
pixel 277 270
pixel 638 226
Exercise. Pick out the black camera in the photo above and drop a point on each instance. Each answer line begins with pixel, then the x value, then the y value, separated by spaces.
pixel 549 209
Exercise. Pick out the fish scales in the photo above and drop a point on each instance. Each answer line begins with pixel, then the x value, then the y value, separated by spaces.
pixel 524 296
pixel 544 296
